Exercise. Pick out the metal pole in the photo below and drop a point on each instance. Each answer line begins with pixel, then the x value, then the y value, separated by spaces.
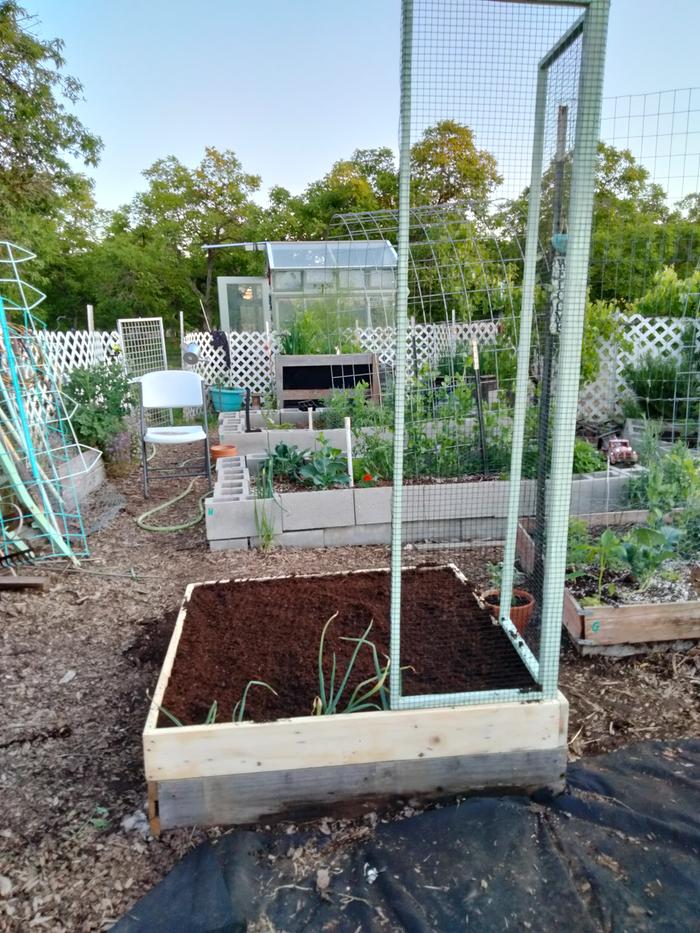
pixel 400 366
pixel 551 332
pixel 348 444
pixel 524 338
pixel 578 252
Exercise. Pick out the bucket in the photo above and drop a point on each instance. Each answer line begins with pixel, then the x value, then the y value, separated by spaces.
pixel 227 399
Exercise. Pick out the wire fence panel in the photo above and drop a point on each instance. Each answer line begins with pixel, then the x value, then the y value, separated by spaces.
pixel 142 342
pixel 499 128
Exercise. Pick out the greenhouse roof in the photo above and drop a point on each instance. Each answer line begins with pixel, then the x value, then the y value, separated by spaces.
pixel 323 254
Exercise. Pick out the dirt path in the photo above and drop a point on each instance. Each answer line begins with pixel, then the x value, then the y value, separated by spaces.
pixel 77 660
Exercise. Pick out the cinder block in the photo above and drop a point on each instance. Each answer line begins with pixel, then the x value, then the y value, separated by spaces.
pixel 323 509
pixel 312 538
pixel 229 544
pixel 254 442
pixel 465 500
pixel 373 505
pixel 357 535
pixel 237 519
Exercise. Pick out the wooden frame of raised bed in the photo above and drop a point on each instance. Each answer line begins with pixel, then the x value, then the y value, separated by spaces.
pixel 594 629
pixel 313 765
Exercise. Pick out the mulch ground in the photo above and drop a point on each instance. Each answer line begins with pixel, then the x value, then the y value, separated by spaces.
pixel 77 661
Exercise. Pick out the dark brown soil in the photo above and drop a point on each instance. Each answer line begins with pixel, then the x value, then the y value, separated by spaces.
pixel 270 630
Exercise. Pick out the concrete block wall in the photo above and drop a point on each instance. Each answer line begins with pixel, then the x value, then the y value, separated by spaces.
pixel 434 512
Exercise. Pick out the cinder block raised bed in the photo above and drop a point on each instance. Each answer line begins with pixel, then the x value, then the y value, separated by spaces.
pixel 436 512
pixel 594 629
pixel 312 765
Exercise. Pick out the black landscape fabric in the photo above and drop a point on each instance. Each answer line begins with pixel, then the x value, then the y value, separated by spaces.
pixel 619 851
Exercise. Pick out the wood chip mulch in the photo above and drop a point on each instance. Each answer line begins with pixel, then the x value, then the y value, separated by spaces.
pixel 78 657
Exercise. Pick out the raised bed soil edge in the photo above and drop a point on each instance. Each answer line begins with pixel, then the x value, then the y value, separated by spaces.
pixel 269 630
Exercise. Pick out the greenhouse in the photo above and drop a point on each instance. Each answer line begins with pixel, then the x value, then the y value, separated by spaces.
pixel 351 280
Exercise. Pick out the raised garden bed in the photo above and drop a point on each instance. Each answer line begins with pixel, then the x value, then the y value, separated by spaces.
pixel 595 628
pixel 336 517
pixel 232 631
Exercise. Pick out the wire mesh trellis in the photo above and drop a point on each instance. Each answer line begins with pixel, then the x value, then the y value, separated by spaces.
pixel 512 92
pixel 142 343
pixel 39 454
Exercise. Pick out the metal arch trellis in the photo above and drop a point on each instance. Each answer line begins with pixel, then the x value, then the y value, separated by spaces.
pixel 458 268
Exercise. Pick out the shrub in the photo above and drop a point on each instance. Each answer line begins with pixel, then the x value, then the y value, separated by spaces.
pixel 586 458
pixel 671 296
pixel 103 397
pixel 664 387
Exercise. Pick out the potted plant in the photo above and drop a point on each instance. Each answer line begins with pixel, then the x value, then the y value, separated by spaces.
pixel 522 603
pixel 226 398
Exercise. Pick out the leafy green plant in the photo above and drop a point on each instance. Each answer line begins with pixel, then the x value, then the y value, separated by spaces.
pixel 670 295
pixel 671 480
pixel 664 387
pixel 355 404
pixel 325 467
pixel 647 548
pixel 688 522
pixel 376 454
pixel 495 572
pixel 578 547
pixel 100 820
pixel 329 699
pixel 286 461
pixel 607 553
pixel 303 337
pixel 102 396
pixel 586 458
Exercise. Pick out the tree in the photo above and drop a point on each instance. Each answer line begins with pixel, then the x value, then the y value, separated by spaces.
pixel 447 166
pixel 191 208
pixel 38 133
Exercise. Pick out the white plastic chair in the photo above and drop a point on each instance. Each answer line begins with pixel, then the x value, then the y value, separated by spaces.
pixel 173 388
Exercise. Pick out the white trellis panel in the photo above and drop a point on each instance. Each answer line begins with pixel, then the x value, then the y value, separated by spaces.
pixel 602 399
pixel 67 350
pixel 142 342
pixel 253 353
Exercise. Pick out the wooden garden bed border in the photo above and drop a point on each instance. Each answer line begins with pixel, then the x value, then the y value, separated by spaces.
pixel 243 772
pixel 593 627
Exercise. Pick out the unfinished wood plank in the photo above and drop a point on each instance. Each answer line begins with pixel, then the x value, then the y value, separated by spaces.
pixel 11 582
pixel 525 549
pixel 313 792
pixel 168 662
pixel 572 616
pixel 316 741
pixel 612 625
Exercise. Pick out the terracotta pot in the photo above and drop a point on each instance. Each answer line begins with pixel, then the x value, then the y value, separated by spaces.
pixel 223 450
pixel 519 615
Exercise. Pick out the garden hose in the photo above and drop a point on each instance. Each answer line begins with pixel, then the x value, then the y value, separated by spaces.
pixel 141 519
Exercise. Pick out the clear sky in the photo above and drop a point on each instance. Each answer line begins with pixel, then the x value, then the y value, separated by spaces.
pixel 290 85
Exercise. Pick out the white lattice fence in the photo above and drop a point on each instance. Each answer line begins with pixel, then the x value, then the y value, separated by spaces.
pixel 601 400
pixel 252 353
pixel 252 359
pixel 66 350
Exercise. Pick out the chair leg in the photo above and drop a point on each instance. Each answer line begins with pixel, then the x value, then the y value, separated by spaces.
pixel 144 463
pixel 207 460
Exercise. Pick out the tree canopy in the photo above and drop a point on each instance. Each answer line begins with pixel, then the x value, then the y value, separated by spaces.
pixel 146 258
